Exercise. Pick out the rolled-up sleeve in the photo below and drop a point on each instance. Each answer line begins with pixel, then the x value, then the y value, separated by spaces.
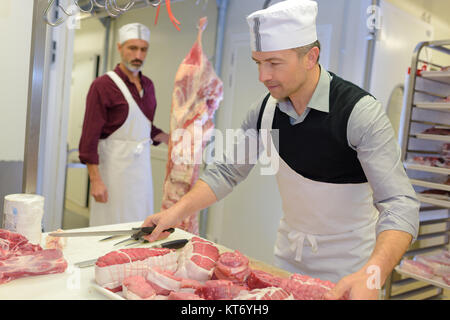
pixel 94 120
pixel 229 169
pixel 370 133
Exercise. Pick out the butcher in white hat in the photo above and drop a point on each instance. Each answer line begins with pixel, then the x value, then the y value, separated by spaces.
pixel 349 210
pixel 117 132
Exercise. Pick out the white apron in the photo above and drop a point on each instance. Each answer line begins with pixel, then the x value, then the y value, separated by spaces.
pixel 327 230
pixel 125 168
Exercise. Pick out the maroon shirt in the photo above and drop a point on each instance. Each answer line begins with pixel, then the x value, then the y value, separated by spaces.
pixel 107 110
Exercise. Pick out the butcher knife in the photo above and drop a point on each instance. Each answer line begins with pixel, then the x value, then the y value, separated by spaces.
pixel 134 232
pixel 174 244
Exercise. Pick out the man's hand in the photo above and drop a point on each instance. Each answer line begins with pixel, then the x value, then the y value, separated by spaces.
pixel 366 283
pixel 162 220
pixel 99 191
pixel 356 286
pixel 199 197
pixel 162 137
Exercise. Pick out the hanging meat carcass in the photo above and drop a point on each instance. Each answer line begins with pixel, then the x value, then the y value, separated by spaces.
pixel 196 96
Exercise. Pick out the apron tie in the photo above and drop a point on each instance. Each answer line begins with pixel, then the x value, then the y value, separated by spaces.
pixel 297 239
pixel 140 147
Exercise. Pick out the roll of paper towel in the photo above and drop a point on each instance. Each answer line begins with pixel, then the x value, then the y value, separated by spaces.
pixel 23 214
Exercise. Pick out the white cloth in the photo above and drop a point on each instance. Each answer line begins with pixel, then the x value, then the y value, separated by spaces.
pixel 134 31
pixel 284 25
pixel 339 230
pixel 125 168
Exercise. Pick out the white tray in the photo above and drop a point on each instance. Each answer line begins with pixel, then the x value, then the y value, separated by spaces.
pixel 421 167
pixel 436 281
pixel 431 185
pixel 438 106
pixel 436 137
pixel 109 294
pixel 441 76
pixel 433 201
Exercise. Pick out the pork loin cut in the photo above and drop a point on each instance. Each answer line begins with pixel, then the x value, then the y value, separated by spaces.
pixel 232 266
pixel 137 288
pixel 259 279
pixel 196 96
pixel 32 264
pixel 15 244
pixel 303 287
pixel 219 290
pixel 417 267
pixel 197 260
pixel 112 268
pixel 269 293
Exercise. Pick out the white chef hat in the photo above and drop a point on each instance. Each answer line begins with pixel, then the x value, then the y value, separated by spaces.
pixel 134 31
pixel 284 25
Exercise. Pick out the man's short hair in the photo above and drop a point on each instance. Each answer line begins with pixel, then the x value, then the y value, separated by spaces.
pixel 301 51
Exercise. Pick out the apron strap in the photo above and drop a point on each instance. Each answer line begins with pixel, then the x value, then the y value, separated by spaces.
pixel 297 239
pixel 121 85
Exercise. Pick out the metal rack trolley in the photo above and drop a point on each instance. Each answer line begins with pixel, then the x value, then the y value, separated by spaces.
pixel 425 106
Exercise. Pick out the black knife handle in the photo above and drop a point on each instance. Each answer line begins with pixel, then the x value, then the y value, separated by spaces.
pixel 144 231
pixel 148 230
pixel 174 244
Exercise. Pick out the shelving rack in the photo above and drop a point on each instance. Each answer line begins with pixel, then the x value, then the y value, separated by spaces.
pixel 425 106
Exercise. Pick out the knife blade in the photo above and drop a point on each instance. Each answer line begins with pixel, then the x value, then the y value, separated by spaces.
pixel 174 244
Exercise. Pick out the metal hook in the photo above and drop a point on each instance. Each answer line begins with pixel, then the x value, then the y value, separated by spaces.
pixel 81 9
pixel 127 7
pixel 154 3
pixel 60 20
pixel 109 11
pixel 98 4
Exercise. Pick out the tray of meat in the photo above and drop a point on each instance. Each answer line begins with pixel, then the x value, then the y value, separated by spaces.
pixel 436 194
pixel 435 133
pixel 429 164
pixel 420 270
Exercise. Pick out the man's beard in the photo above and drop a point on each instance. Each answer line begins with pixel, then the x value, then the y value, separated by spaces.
pixel 131 67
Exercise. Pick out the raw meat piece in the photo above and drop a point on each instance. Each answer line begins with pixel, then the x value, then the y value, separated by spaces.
pixel 196 96
pixel 446 253
pixel 269 293
pixel 417 268
pixel 34 263
pixel 437 130
pixel 137 288
pixel 197 260
pixel 446 279
pixel 219 290
pixel 259 279
pixel 15 244
pixel 303 287
pixel 432 161
pixel 439 263
pixel 232 266
pixel 56 242
pixel 189 285
pixel 163 281
pixel 436 194
pixel 183 296
pixel 112 268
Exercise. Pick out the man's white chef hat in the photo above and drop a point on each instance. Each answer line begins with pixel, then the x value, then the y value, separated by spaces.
pixel 134 31
pixel 284 25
